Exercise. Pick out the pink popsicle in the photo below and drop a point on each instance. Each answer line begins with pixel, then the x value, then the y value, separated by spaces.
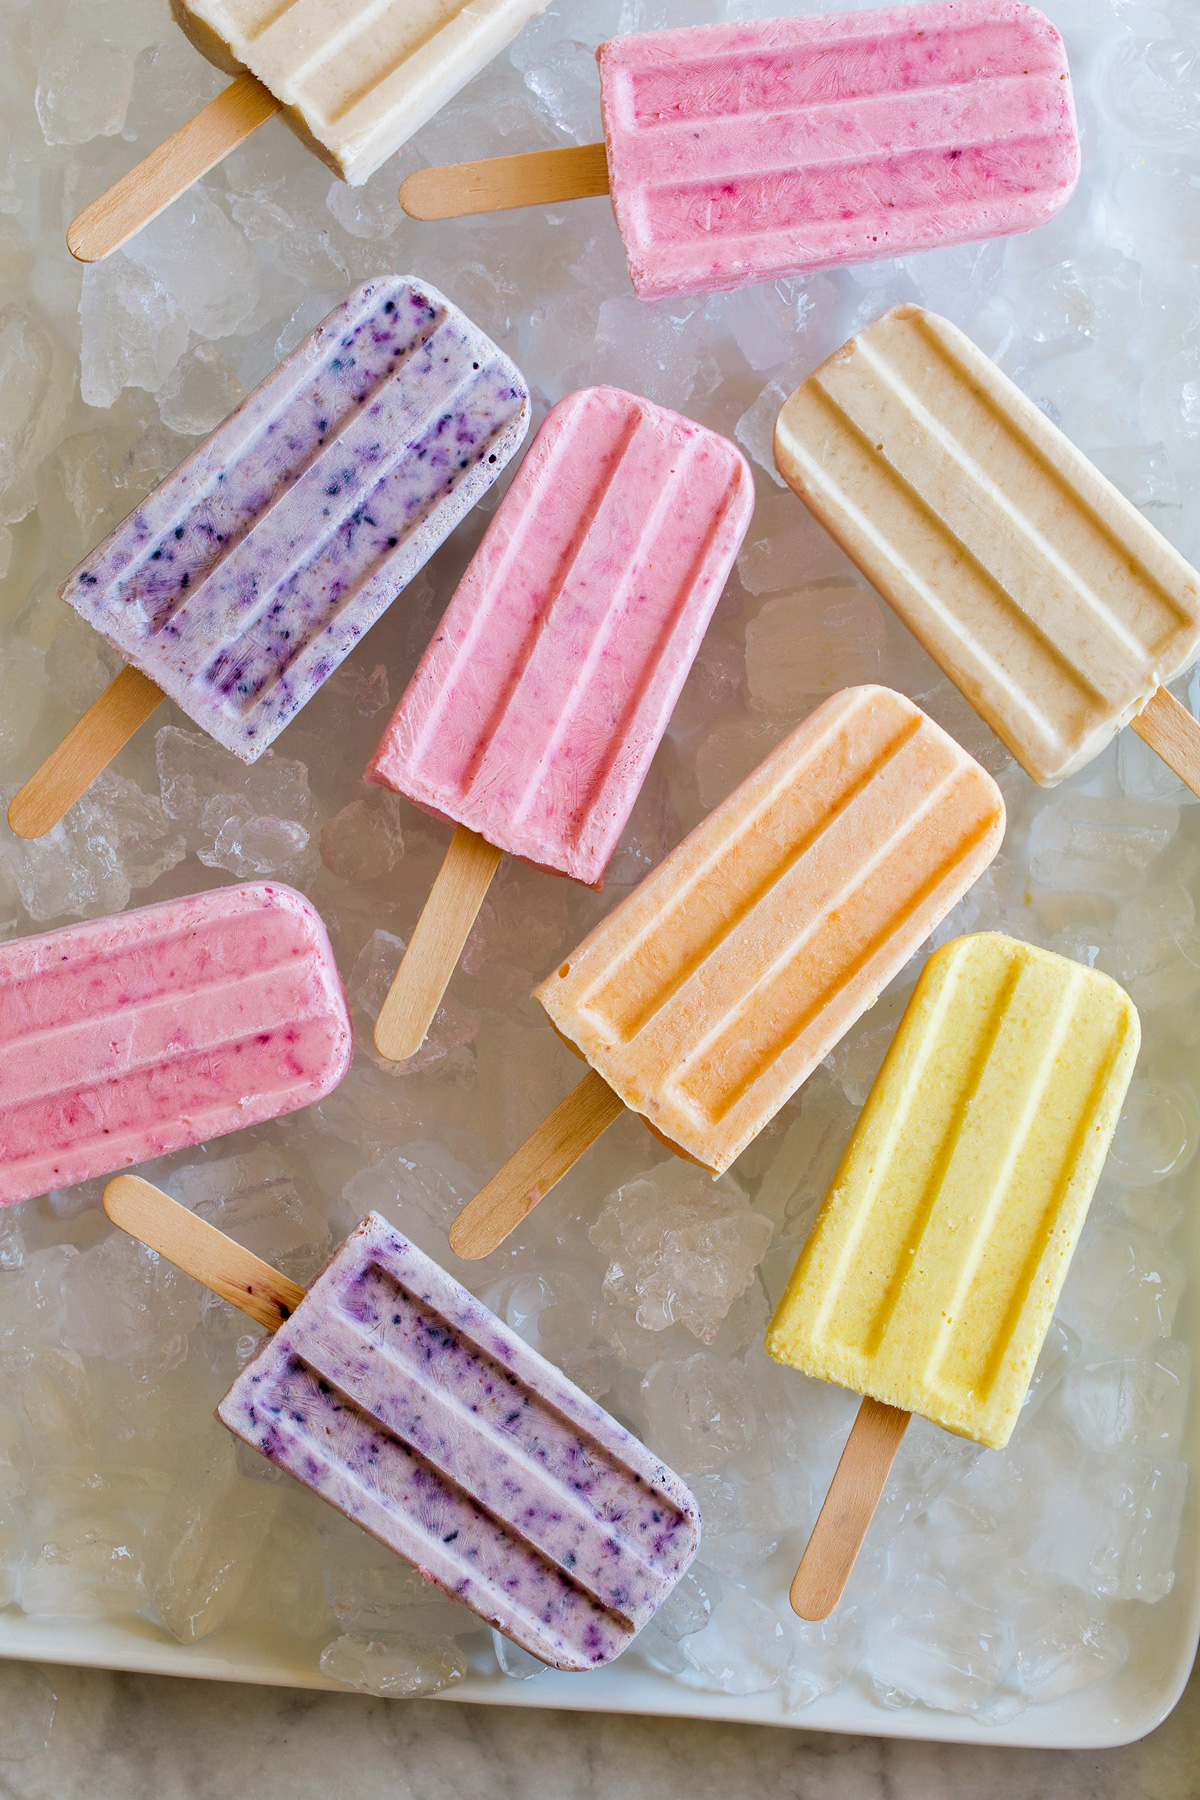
pixel 125 1038
pixel 534 713
pixel 738 153
pixel 537 707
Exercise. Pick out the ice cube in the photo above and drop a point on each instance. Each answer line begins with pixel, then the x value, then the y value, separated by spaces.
pixel 823 1655
pixel 1157 1132
pixel 394 1667
pixel 35 389
pixel 214 1524
pixel 200 391
pixel 699 1411
pixel 681 1247
pixel 83 89
pixel 1136 1561
pixel 809 643
pixel 124 1303
pixel 514 1662
pixel 941 1649
pixel 742 1650
pixel 1104 846
pixel 1122 1290
pixel 688 1607
pixel 1137 1403
pixel 1064 1644
pixel 364 840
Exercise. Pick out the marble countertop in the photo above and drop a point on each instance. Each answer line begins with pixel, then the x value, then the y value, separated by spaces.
pixel 134 1737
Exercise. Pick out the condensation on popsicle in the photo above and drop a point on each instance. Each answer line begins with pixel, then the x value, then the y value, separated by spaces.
pixel 126 1038
pixel 406 1404
pixel 710 994
pixel 543 695
pixel 243 580
pixel 1054 605
pixel 737 153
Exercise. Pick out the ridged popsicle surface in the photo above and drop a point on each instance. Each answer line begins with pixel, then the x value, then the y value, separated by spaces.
pixel 405 1403
pixel 932 1272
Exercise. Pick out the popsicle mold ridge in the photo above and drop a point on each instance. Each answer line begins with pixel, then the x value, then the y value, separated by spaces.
pixel 128 1037
pixel 534 714
pixel 714 989
pixel 242 581
pixel 930 1277
pixel 1034 584
pixel 410 1407
pixel 740 152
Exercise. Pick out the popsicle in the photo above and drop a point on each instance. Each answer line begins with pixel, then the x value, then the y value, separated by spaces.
pixel 399 1398
pixel 711 993
pixel 353 78
pixel 739 153
pixel 125 1038
pixel 929 1279
pixel 535 712
pixel 242 581
pixel 1054 605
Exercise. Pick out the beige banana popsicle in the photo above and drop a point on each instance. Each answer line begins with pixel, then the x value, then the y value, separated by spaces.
pixel 1042 593
pixel 930 1277
pixel 353 78
pixel 712 991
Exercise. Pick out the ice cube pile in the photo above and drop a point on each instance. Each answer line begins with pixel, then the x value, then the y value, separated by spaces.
pixel 991 1581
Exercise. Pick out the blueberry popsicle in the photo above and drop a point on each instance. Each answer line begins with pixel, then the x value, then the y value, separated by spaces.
pixel 1054 605
pixel 535 712
pixel 354 80
pixel 399 1398
pixel 126 1038
pixel 741 152
pixel 711 993
pixel 243 580
pixel 930 1277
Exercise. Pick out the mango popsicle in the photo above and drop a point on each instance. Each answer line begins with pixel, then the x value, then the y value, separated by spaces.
pixel 930 1277
pixel 710 994
pixel 1054 605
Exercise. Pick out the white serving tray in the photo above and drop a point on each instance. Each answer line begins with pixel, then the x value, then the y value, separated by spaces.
pixel 1115 1711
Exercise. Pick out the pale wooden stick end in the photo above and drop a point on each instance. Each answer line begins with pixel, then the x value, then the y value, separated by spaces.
pixel 848 1510
pixel 436 945
pixel 1173 733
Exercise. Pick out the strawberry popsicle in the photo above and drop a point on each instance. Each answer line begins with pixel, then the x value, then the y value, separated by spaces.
pixel 1054 605
pixel 708 996
pixel 241 582
pixel 535 712
pixel 125 1038
pixel 399 1398
pixel 738 153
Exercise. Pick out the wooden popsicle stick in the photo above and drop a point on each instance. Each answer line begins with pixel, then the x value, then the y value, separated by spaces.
pixel 88 747
pixel 436 945
pixel 540 178
pixel 527 1177
pixel 848 1510
pixel 169 171
pixel 199 1249
pixel 1170 729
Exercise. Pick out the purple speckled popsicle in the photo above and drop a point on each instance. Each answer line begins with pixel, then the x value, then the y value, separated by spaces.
pixel 405 1403
pixel 247 575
